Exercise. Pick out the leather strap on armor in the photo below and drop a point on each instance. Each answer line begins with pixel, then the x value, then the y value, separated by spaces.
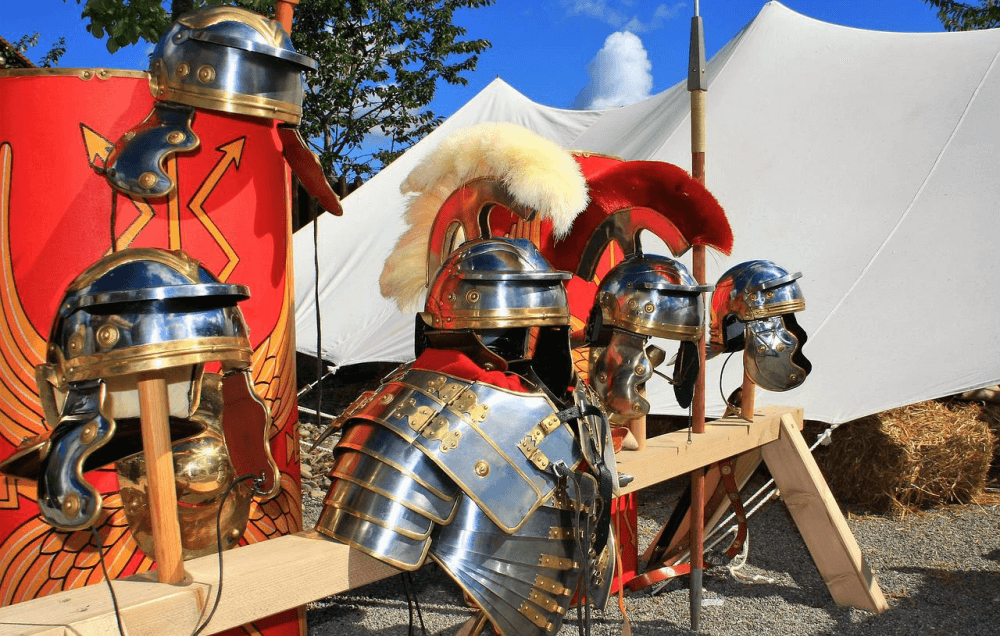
pixel 727 489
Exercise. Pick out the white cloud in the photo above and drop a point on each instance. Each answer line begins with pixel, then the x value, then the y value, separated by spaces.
pixel 618 14
pixel 620 74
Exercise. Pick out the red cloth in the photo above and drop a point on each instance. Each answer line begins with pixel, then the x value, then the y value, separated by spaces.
pixel 461 366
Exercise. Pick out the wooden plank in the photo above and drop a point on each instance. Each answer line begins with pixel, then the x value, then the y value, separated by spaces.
pixel 268 577
pixel 260 580
pixel 820 521
pixel 668 456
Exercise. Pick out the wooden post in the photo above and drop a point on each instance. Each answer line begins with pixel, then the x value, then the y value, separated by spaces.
pixel 820 521
pixel 748 394
pixel 283 12
pixel 155 413
pixel 638 426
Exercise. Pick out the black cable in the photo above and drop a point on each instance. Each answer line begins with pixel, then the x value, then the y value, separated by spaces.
pixel 314 209
pixel 107 579
pixel 411 602
pixel 114 220
pixel 218 538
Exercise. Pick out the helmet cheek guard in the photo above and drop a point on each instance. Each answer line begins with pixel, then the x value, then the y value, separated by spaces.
pixel 773 357
pixel 619 371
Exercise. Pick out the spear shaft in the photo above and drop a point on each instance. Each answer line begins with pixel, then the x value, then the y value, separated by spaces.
pixel 698 88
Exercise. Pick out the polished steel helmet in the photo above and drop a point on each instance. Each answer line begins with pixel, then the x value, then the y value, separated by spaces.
pixel 753 309
pixel 134 311
pixel 643 296
pixel 146 309
pixel 652 296
pixel 233 60
pixel 496 284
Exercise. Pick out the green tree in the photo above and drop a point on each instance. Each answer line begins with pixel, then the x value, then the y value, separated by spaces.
pixel 380 63
pixel 962 16
pixel 26 42
pixel 125 22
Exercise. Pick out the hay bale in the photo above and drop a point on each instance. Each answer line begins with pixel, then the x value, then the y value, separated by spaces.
pixel 991 415
pixel 918 456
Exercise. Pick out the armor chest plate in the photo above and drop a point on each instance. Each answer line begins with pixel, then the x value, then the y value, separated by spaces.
pixel 497 445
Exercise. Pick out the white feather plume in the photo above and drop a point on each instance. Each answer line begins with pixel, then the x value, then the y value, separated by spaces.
pixel 537 173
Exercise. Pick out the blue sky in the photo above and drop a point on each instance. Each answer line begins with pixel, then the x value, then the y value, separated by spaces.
pixel 541 47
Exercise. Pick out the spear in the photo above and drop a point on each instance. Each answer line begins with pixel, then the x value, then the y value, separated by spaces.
pixel 698 87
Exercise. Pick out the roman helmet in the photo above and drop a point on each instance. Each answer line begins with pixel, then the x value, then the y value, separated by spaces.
pixel 753 309
pixel 233 60
pixel 499 301
pixel 132 312
pixel 643 296
pixel 224 59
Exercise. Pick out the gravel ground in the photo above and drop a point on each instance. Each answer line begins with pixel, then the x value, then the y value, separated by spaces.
pixel 939 571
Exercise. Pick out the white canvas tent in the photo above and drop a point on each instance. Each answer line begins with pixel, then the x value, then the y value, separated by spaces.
pixel 870 161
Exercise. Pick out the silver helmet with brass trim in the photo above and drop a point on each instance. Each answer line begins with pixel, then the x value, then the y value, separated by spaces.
pixel 498 301
pixel 146 309
pixel 753 308
pixel 644 296
pixel 496 284
pixel 233 60
pixel 134 311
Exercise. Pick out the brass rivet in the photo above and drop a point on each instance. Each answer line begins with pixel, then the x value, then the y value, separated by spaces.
pixel 75 344
pixel 640 369
pixel 726 470
pixel 472 296
pixel 793 377
pixel 636 407
pixel 451 297
pixel 175 137
pixel 107 336
pixel 147 180
pixel 648 308
pixel 206 74
pixel 602 377
pixel 182 69
pixel 761 348
pixel 482 468
pixel 770 295
pixel 89 433
pixel 129 135
pixel 235 534
pixel 71 505
pixel 779 347
pixel 385 399
pixel 633 303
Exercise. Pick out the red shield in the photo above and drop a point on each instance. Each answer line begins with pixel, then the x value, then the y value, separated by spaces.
pixel 230 210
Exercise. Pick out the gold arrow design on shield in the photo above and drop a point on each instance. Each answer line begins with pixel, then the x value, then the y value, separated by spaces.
pixel 232 152
pixel 99 147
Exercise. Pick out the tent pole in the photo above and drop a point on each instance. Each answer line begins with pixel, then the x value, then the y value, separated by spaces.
pixel 698 87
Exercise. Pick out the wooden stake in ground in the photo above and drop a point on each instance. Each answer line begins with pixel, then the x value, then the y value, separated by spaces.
pixel 154 408
pixel 698 87
pixel 747 396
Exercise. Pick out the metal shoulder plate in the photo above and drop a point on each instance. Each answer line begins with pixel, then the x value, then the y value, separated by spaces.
pixel 497 445
pixel 523 581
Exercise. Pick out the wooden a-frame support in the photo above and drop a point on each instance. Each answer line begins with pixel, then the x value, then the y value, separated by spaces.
pixel 269 577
